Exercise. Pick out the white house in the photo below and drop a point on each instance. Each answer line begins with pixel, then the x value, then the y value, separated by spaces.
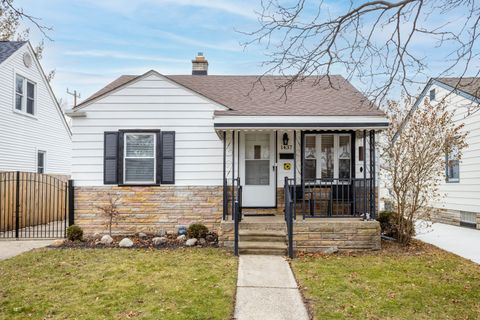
pixel 180 149
pixel 460 201
pixel 34 134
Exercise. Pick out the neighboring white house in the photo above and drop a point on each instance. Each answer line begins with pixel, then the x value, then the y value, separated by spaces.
pixel 460 201
pixel 34 134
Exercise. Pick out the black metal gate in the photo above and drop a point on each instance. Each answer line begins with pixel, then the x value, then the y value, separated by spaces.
pixel 34 205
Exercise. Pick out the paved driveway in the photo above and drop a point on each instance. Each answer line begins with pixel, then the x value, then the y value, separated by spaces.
pixel 462 241
pixel 11 248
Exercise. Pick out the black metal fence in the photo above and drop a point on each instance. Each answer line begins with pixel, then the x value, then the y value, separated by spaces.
pixel 34 205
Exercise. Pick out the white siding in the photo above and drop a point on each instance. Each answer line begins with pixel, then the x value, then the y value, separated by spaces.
pixel 151 103
pixel 21 135
pixel 463 195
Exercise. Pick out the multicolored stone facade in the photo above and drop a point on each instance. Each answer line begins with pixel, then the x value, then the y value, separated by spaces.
pixel 345 234
pixel 150 209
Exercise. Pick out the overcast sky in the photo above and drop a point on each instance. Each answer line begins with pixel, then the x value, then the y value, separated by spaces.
pixel 95 41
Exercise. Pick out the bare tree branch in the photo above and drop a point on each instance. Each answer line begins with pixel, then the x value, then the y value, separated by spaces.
pixel 374 42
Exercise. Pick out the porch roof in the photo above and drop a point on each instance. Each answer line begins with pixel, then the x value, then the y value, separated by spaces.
pixel 301 122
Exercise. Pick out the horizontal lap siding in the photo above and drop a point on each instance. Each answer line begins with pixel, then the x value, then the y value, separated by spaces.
pixel 21 136
pixel 152 103
pixel 463 195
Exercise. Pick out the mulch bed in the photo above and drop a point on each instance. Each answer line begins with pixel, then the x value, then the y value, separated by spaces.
pixel 138 243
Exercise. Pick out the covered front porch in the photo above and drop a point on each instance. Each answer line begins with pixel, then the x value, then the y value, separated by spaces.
pixel 327 173
pixel 300 186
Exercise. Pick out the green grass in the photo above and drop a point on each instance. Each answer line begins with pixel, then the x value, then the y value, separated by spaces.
pixel 431 284
pixel 118 284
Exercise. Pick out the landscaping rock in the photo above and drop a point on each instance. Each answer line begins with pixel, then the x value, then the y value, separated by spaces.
pixel 191 242
pixel 182 230
pixel 330 250
pixel 142 235
pixel 170 232
pixel 211 237
pixel 58 243
pixel 161 233
pixel 97 236
pixel 106 239
pixel 125 243
pixel 202 241
pixel 182 237
pixel 158 241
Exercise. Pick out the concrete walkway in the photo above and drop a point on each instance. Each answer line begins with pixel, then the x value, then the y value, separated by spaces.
pixel 11 248
pixel 462 241
pixel 266 289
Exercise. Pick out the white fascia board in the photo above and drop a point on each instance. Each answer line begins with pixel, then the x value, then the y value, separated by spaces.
pixel 306 122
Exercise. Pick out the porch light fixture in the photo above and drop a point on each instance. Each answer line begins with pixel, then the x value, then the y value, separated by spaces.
pixel 285 139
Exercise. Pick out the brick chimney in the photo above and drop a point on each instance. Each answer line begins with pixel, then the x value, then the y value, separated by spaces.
pixel 200 65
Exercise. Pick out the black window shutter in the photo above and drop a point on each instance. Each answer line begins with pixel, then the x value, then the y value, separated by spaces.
pixel 110 158
pixel 168 157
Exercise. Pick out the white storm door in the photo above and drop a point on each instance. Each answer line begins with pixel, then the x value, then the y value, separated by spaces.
pixel 257 159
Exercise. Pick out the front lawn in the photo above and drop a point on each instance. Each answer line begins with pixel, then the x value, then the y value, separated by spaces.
pixel 422 283
pixel 118 284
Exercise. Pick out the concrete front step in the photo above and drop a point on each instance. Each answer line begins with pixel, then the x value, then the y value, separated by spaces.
pixel 267 226
pixel 262 235
pixel 262 247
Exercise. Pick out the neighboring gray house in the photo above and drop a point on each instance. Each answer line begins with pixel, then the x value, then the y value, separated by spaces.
pixel 34 134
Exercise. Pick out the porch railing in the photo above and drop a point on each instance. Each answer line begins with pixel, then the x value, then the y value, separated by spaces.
pixel 352 197
pixel 237 212
pixel 289 212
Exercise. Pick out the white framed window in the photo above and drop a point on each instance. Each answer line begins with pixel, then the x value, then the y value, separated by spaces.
pixel 452 166
pixel 24 95
pixel 41 161
pixel 139 162
pixel 328 156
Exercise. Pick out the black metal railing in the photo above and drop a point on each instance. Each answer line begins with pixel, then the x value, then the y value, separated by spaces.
pixel 335 198
pixel 289 186
pixel 237 212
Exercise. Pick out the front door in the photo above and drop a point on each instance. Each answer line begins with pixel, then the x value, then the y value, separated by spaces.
pixel 257 169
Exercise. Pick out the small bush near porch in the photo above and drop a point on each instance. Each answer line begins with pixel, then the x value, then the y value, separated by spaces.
pixel 421 282
pixel 118 284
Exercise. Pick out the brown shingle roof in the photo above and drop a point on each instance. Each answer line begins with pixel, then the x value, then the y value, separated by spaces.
pixel 310 97
pixel 470 85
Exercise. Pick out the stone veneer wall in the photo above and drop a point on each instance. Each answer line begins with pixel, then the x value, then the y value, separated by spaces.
pixel 313 236
pixel 450 216
pixel 346 235
pixel 149 209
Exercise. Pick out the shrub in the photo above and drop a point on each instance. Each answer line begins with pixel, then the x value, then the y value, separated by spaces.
pixel 395 226
pixel 385 219
pixel 197 230
pixel 74 233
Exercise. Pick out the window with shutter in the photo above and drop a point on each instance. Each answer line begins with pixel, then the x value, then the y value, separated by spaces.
pixel 139 164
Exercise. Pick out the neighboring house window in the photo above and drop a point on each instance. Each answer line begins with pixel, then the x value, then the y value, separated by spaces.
pixel 432 95
pixel 41 161
pixel 452 166
pixel 24 95
pixel 333 151
pixel 139 158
